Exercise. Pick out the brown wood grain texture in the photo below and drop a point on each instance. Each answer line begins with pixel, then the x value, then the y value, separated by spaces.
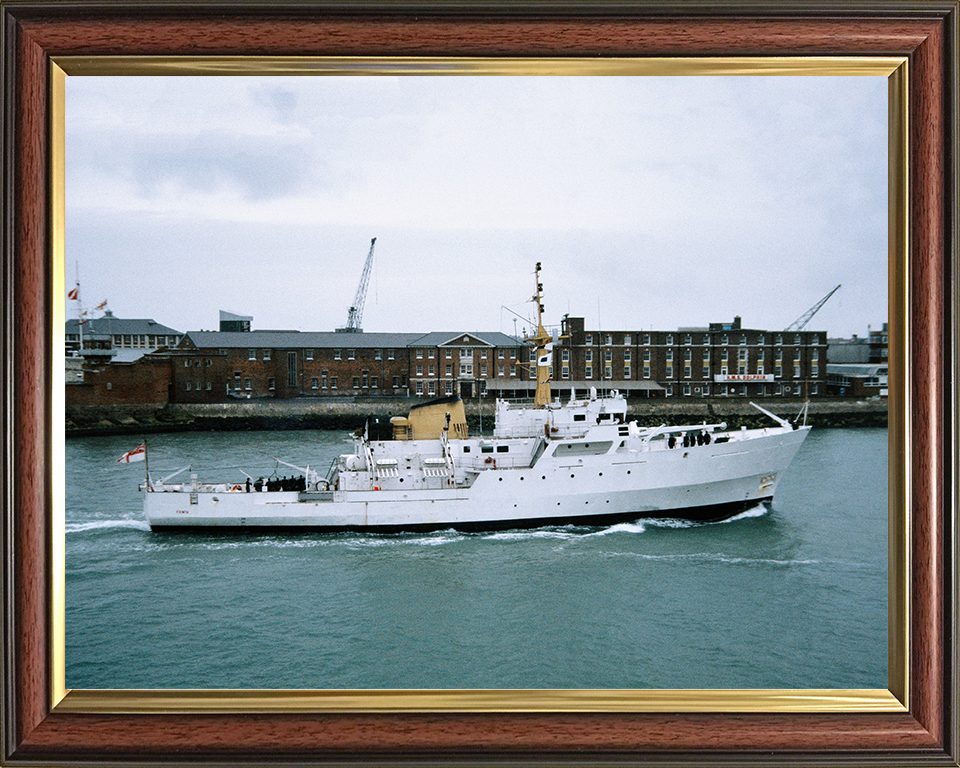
pixel 928 265
pixel 31 444
pixel 920 734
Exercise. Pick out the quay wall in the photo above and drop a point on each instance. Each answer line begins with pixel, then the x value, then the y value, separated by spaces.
pixel 351 413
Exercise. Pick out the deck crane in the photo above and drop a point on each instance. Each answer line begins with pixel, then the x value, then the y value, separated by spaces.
pixel 355 314
pixel 807 316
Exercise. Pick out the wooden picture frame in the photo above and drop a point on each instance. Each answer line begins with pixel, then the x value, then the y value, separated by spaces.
pixel 38 731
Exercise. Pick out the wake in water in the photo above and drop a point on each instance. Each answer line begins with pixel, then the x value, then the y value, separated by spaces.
pixel 140 525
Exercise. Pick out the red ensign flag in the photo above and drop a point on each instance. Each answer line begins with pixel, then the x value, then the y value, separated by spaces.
pixel 137 454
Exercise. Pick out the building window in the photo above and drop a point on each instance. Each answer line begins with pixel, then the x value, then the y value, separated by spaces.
pixel 588 355
pixel 272 384
pixel 669 338
pixel 314 383
pixel 760 370
pixel 724 355
pixel 336 354
pixel 431 388
pixel 500 354
pixel 741 368
pixel 796 339
pixel 189 386
pixel 565 355
pixel 430 354
pixel 687 372
pixel 743 354
pixel 743 340
pixel 686 390
pixel 396 382
pixel 627 339
pixel 706 390
pixel 608 372
pixel 391 354
pixel 186 363
pixel 419 370
pixel 724 339
pixel 513 370
pixel 688 355
pixel 266 354
pixel 759 354
pixel 609 339
pixel 323 379
pixel 333 382
pixel 483 371
pixel 309 356
pixel 669 371
pixel 646 338
pixel 431 370
pixel 208 386
pixel 419 354
pixel 723 370
pixel 351 354
pixel 448 388
pixel 669 390
pixel 688 339
pixel 419 387
pixel 669 354
pixel 499 370
pixel 449 370
pixel 796 354
pixel 246 384
pixel 626 371
pixel 378 354
pixel 706 371
pixel 374 382
pixel 483 354
pixel 646 371
pixel 208 362
pixel 777 371
pixel 796 371
pixel 626 356
pixel 814 389
pixel 779 354
pixel 608 355
pixel 815 370
pixel 779 340
pixel 760 339
pixel 588 339
pixel 356 382
pixel 815 355
pixel 588 372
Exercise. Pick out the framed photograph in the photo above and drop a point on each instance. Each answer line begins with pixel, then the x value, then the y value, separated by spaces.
pixel 46 721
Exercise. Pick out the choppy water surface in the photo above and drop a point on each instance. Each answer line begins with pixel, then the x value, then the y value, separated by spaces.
pixel 792 597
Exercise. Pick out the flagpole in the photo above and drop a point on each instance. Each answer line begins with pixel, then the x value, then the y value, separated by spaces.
pixel 146 463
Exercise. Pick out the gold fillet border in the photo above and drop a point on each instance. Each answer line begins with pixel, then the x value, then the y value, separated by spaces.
pixel 894 699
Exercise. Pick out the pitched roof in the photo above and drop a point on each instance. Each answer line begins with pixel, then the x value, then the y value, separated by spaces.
pixel 108 324
pixel 456 339
pixel 298 339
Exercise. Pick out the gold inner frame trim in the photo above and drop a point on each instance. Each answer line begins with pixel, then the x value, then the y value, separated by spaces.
pixel 511 701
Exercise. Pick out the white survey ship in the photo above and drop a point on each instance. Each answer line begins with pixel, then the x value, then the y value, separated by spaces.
pixel 546 463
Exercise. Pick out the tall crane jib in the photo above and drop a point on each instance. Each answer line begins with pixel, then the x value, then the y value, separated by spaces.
pixel 355 313
pixel 806 317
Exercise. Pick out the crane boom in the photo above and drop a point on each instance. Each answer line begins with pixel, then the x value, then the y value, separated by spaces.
pixel 355 313
pixel 807 316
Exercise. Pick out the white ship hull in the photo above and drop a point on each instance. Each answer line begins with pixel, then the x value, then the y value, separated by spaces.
pixel 701 482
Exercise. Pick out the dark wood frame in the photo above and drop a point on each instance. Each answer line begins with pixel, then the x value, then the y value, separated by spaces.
pixel 925 32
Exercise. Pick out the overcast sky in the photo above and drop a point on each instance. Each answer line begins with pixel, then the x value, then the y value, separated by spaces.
pixel 652 202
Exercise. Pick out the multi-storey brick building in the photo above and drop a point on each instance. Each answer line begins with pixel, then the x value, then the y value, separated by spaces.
pixel 211 366
pixel 722 359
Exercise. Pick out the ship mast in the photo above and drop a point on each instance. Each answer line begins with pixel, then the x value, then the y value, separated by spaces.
pixel 544 356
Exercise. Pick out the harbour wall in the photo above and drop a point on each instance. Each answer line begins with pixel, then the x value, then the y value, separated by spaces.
pixel 351 413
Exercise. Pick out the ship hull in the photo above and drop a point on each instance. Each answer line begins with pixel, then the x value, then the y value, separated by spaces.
pixel 710 482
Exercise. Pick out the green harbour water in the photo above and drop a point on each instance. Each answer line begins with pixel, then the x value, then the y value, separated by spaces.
pixel 794 596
